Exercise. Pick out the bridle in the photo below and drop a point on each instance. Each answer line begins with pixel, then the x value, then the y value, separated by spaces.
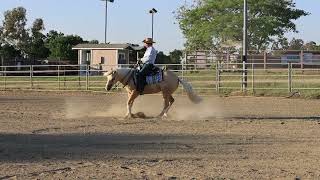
pixel 126 83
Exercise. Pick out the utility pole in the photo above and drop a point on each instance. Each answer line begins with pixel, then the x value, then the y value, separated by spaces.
pixel 244 46
pixel 106 20
pixel 152 12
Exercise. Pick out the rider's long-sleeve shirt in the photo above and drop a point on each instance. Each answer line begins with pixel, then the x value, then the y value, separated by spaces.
pixel 149 56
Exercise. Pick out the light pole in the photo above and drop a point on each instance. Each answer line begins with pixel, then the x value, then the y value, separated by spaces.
pixel 152 12
pixel 244 46
pixel 106 20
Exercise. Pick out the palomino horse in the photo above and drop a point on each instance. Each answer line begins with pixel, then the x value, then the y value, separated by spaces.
pixel 169 84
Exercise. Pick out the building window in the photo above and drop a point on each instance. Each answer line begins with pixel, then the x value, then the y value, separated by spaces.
pixel 121 58
pixel 102 60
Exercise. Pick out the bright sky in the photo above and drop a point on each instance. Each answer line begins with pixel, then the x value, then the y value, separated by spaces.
pixel 129 20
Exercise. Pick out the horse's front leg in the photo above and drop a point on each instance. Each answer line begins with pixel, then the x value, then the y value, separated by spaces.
pixel 131 97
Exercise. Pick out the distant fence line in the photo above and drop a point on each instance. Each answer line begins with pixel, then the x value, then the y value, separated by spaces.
pixel 265 59
pixel 218 77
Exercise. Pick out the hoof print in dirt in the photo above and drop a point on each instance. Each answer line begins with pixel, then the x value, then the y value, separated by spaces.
pixel 125 167
pixel 172 178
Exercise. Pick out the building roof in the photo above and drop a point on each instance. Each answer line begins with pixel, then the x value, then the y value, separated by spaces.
pixel 108 46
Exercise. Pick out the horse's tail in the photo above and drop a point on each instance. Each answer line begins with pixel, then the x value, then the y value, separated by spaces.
pixel 191 94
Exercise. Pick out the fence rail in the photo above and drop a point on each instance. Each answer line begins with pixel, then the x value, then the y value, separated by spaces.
pixel 205 78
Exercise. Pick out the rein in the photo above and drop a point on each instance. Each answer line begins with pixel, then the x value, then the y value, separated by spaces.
pixel 126 83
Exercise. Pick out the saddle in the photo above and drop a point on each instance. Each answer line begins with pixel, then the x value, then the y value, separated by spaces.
pixel 154 77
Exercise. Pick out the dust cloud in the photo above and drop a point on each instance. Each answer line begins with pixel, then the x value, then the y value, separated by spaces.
pixel 114 105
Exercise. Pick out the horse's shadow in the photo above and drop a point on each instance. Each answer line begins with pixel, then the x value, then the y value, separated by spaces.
pixel 141 115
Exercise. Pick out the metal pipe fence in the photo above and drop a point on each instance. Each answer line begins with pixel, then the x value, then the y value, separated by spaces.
pixel 208 78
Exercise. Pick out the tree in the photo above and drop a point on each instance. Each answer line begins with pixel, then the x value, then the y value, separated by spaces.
pixel 14 32
pixel 311 46
pixel 176 56
pixel 52 34
pixel 296 44
pixel 208 23
pixel 8 51
pixel 26 42
pixel 93 42
pixel 280 44
pixel 60 46
pixel 36 42
pixel 162 58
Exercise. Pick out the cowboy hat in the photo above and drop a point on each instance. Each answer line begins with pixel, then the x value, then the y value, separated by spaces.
pixel 148 40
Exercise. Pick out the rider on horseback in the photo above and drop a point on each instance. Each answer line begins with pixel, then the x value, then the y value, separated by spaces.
pixel 148 61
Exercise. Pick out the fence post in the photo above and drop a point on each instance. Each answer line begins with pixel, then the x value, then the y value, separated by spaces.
pixel 182 72
pixel 289 77
pixel 5 78
pixel 31 75
pixel 87 77
pixel 265 57
pixel 228 60
pixel 64 77
pixel 217 77
pixel 252 83
pixel 301 59
pixel 79 76
pixel 59 77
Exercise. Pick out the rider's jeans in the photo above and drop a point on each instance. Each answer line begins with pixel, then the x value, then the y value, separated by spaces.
pixel 145 70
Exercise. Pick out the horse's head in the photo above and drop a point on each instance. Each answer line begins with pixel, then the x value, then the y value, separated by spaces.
pixel 112 79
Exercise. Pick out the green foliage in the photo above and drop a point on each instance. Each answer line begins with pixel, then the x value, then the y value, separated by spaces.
pixel 36 42
pixel 176 56
pixel 18 41
pixel 207 24
pixel 13 30
pixel 8 51
pixel 296 44
pixel 93 42
pixel 60 46
pixel 162 58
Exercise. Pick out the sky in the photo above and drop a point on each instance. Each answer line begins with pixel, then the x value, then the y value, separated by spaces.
pixel 129 21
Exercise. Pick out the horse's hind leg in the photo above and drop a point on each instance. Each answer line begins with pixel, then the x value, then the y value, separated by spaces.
pixel 166 104
pixel 171 101
pixel 168 101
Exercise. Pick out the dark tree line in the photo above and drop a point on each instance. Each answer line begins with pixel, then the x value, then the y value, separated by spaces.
pixel 19 41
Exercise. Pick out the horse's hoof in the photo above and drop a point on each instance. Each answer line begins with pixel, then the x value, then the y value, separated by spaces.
pixel 129 116
pixel 164 116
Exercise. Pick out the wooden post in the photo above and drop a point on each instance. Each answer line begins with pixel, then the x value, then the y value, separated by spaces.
pixel 59 77
pixel 31 75
pixel 265 58
pixel 5 77
pixel 252 83
pixel 301 59
pixel 289 77
pixel 217 77
pixel 228 59
pixel 87 77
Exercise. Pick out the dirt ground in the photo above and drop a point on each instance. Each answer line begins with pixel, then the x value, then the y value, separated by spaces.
pixel 51 135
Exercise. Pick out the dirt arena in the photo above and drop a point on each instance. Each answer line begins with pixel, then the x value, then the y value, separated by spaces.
pixel 50 135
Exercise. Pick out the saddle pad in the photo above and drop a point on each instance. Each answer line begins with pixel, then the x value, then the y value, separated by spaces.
pixel 155 78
